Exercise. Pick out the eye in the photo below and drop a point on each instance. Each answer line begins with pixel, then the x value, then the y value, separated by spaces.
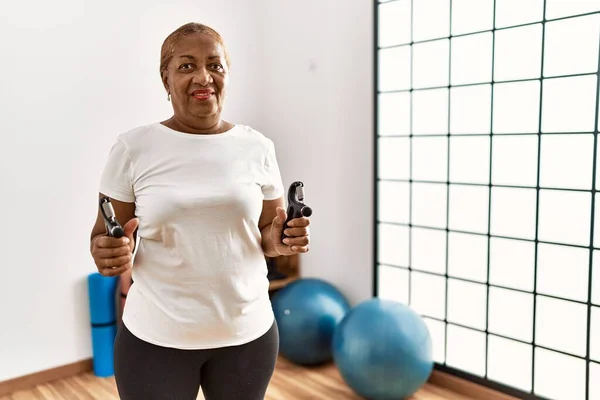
pixel 217 67
pixel 186 67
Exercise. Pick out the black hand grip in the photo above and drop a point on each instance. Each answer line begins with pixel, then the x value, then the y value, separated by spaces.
pixel 296 207
pixel 113 228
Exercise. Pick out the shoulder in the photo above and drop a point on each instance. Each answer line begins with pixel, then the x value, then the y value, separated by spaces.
pixel 256 137
pixel 253 134
pixel 136 140
pixel 134 134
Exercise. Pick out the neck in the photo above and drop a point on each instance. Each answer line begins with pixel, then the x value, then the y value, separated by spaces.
pixel 201 126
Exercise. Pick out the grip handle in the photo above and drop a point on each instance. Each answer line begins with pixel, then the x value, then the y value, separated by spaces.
pixel 296 207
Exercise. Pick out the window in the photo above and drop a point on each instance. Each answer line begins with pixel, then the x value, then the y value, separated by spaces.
pixel 486 219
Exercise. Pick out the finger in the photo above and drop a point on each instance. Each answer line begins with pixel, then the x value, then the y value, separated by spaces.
pixel 114 262
pixel 109 242
pixel 280 218
pixel 130 227
pixel 300 249
pixel 299 222
pixel 113 272
pixel 277 226
pixel 110 252
pixel 118 270
pixel 295 232
pixel 297 241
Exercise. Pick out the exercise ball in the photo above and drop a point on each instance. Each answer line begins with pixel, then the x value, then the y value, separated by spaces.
pixel 307 312
pixel 382 349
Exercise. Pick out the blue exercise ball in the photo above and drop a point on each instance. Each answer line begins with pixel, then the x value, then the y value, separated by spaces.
pixel 307 312
pixel 382 349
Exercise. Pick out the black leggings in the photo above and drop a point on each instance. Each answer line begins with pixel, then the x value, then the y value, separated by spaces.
pixel 144 371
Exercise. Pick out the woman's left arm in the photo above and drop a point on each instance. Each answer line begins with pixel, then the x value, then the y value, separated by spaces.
pixel 271 223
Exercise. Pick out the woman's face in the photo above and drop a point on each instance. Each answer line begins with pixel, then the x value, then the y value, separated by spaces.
pixel 196 78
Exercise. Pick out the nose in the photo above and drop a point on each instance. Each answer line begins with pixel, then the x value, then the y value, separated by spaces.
pixel 202 77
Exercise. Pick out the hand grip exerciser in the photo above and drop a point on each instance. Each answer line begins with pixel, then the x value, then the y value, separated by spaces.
pixel 113 228
pixel 296 207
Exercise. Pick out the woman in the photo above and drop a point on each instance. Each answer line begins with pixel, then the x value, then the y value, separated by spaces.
pixel 205 198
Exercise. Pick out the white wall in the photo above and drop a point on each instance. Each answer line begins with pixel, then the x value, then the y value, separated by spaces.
pixel 74 74
pixel 318 110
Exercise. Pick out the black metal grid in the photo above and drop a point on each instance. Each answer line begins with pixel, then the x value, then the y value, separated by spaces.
pixel 536 241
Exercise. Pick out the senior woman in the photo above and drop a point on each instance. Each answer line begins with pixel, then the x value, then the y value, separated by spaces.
pixel 205 198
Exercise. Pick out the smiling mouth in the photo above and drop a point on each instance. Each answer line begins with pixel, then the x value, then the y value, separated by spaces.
pixel 202 94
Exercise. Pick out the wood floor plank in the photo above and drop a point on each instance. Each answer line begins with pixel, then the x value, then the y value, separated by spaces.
pixel 289 382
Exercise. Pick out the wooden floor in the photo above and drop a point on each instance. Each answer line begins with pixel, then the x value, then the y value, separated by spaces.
pixel 289 382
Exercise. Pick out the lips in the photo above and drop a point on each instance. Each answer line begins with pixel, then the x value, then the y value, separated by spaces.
pixel 202 94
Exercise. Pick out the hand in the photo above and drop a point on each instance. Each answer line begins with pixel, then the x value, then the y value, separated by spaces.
pixel 298 239
pixel 113 256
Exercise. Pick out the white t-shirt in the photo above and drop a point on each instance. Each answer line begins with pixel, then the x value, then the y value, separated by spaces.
pixel 200 274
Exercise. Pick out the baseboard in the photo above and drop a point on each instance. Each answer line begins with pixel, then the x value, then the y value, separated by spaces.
pixel 438 378
pixel 466 388
pixel 42 377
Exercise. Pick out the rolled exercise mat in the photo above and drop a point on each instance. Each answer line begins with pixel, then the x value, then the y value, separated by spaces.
pixel 101 290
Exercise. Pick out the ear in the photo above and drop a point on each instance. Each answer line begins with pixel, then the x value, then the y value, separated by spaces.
pixel 165 81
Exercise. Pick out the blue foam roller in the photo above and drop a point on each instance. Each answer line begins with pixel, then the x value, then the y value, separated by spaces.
pixel 103 339
pixel 103 316
pixel 102 298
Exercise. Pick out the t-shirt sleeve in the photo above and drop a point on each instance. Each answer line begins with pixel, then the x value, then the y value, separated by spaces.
pixel 116 179
pixel 273 188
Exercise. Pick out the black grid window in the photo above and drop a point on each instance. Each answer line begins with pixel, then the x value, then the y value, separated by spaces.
pixel 486 184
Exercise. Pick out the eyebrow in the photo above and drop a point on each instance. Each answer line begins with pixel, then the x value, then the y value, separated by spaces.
pixel 193 58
